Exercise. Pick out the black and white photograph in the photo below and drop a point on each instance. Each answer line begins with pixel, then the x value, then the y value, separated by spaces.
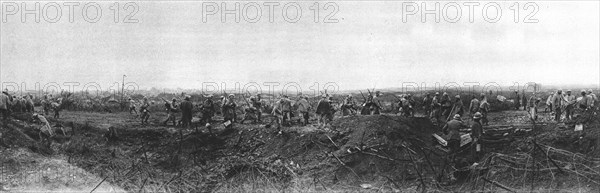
pixel 299 96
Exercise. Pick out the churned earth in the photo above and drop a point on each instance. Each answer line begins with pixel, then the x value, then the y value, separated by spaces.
pixel 389 153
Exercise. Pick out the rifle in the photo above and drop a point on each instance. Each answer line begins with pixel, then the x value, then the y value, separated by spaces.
pixel 247 103
pixel 224 97
pixel 399 99
pixel 364 98
pixel 451 115
pixel 166 101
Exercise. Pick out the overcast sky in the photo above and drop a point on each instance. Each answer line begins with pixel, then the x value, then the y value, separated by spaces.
pixel 370 46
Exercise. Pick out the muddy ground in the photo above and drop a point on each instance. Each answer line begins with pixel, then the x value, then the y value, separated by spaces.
pixel 359 153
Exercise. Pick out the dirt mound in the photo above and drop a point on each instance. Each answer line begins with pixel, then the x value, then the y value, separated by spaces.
pixel 380 129
pixel 379 148
pixel 16 133
pixel 354 149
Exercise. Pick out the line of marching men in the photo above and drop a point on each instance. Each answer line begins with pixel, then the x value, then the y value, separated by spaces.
pixel 283 109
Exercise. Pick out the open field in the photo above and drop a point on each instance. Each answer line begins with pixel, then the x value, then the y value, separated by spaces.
pixel 370 153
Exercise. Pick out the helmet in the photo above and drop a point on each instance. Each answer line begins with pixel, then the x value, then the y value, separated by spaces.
pixel 477 115
pixel 457 116
pixel 457 96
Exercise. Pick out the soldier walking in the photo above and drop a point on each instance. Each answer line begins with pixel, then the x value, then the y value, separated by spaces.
pixel 484 109
pixel 323 110
pixel 144 110
pixel 208 110
pixel 171 108
pixel 303 109
pixel 229 106
pixel 132 106
pixel 347 106
pixel 186 111
pixel 570 101
pixel 427 104
pixel 435 107
pixel 474 105
pixel 558 102
pixel 476 133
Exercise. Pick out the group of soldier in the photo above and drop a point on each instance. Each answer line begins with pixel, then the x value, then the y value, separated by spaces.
pixel 559 102
pixel 450 111
pixel 283 110
pixel 443 108
pixel 171 107
pixel 207 108
pixel 453 137
pixel 25 103
pixel 14 103
pixel 439 107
